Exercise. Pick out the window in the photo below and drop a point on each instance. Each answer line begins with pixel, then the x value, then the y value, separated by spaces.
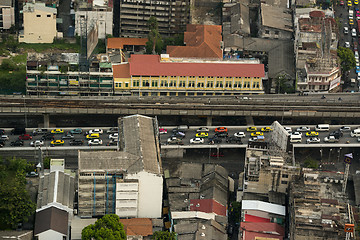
pixel 276 32
pixel 38 15
pixel 48 15
pixel 284 182
pixel 127 84
pixel 219 84
pixel 285 176
pixel 145 83
pixel 209 84
pixel 228 84
pixel 118 85
pixel 182 84
pixel 200 85
pixel 191 84
pixel 172 83
pixel 163 83
pixel 267 32
pixel 135 83
pixel 154 83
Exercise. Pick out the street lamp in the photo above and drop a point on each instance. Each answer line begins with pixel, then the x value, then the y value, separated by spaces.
pixel 339 154
pixel 330 150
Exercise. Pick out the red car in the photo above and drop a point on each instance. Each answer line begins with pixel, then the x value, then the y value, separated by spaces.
pixel 341 3
pixel 25 137
pixel 221 129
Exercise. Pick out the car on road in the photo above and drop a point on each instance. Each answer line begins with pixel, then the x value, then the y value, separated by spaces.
pixel 57 142
pixel 351 22
pixel 96 130
pixel 37 143
pixel 347 44
pixel 251 129
pixel 57 131
pixel 202 129
pixel 312 134
pixel 76 142
pixel 17 143
pixel 197 140
pixel 116 129
pixel 357 69
pixel 221 134
pixel 174 140
pixel 202 135
pixel 2 131
pixel 266 129
pixel 331 139
pixel 349 3
pixel 296 134
pixel 4 137
pixel 48 136
pixel 96 141
pixel 92 136
pixel 76 131
pixel 18 131
pixel 232 140
pixel 337 134
pixel 313 140
pixel 341 3
pixel 288 129
pixel 221 129
pixel 68 136
pixel 257 139
pixel 112 142
pixel 356 2
pixel 214 140
pixel 114 136
pixel 257 134
pixel 239 134
pixel 25 137
pixel 162 130
pixel 178 134
pixel 39 131
pixel 345 129
pixel 303 129
pixel 353 32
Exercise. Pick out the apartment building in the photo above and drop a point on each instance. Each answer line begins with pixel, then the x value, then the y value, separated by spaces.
pixel 130 17
pixel 39 23
pixel 7 14
pixel 164 76
pixel 58 74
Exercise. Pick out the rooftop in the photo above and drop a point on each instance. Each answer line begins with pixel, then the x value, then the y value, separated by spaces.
pixel 51 219
pixel 30 7
pixel 8 3
pixel 263 206
pixel 137 226
pixel 275 17
pixel 118 43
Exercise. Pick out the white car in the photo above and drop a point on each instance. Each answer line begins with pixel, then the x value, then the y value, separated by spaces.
pixel 96 130
pixel 353 32
pixel 4 137
pixel 347 44
pixel 296 133
pixel 37 143
pixel 239 134
pixel 313 140
pixel 288 129
pixel 95 142
pixel 303 129
pixel 202 129
pixel 345 129
pixel 346 30
pixel 114 136
pixel 197 140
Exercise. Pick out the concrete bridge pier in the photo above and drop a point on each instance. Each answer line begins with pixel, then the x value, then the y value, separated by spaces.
pixel 46 120
pixel 209 121
pixel 249 121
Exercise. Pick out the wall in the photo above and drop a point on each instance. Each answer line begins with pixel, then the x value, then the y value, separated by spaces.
pixel 103 18
pixel 50 234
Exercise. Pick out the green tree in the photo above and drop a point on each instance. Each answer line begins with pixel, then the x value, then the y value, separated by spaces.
pixel 154 44
pixel 234 212
pixel 311 163
pixel 347 58
pixel 108 227
pixel 15 203
pixel 164 235
pixel 46 162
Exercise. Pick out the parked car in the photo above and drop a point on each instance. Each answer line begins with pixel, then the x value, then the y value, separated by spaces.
pixel 288 129
pixel 57 131
pixel 68 136
pixel 266 129
pixel 17 143
pixel 221 129
pixel 233 140
pixel 345 129
pixel 76 131
pixel 58 142
pixel 174 140
pixel 96 141
pixel 313 140
pixel 113 130
pixel 162 130
pixel 303 129
pixel 76 142
pixel 202 129
pixel 37 143
pixel 114 136
pixel 39 131
pixel 214 140
pixel 112 142
pixel 92 136
pixel 197 140
pixel 312 134
pixel 346 30
pixel 239 134
pixel 221 134
pixel 25 137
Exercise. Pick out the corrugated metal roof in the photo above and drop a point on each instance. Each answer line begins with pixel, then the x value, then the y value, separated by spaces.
pixel 263 206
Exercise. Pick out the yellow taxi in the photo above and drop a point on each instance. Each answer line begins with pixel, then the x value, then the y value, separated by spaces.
pixel 266 129
pixel 349 3
pixel 254 134
pixel 312 134
pixel 57 142
pixel 251 129
pixel 92 136
pixel 356 2
pixel 202 135
pixel 57 131
pixel 351 22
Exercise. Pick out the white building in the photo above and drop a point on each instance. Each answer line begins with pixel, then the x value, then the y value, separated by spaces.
pixel 128 182
pixel 101 16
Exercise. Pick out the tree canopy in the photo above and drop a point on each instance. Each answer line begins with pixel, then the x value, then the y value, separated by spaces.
pixel 347 58
pixel 108 227
pixel 154 44
pixel 164 235
pixel 15 203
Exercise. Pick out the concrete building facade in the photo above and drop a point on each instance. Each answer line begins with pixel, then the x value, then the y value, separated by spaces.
pixel 102 17
pixel 39 23
pixel 7 14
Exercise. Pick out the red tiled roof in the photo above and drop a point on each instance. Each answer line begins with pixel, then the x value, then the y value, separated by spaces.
pixel 202 41
pixel 269 227
pixel 317 14
pixel 137 226
pixel 251 218
pixel 121 70
pixel 118 43
pixel 150 65
pixel 208 206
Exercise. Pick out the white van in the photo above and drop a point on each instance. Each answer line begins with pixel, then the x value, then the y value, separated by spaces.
pixel 322 127
pixel 351 14
pixel 355 133
pixel 295 138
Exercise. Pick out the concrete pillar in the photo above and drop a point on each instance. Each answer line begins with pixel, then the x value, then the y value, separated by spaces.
pixel 249 121
pixel 209 121
pixel 46 120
